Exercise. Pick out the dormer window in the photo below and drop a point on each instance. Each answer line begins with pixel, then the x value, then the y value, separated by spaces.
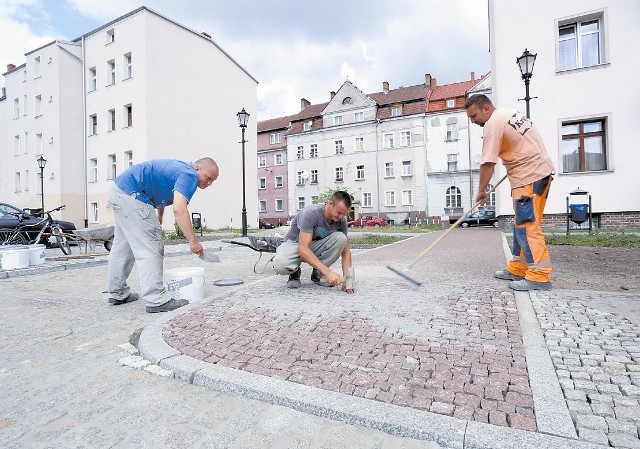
pixel 451 103
pixel 347 100
pixel 396 111
pixel 308 125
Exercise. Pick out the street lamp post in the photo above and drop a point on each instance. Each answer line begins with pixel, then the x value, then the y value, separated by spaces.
pixel 525 63
pixel 41 163
pixel 243 118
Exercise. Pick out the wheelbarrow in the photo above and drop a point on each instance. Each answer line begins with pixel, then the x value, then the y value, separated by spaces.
pixel 261 245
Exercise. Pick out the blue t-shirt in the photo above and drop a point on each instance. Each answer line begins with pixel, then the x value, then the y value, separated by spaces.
pixel 155 181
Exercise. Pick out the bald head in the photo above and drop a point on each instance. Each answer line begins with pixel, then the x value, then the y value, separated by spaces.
pixel 207 170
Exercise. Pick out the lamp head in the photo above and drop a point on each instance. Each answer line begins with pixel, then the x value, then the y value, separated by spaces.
pixel 41 162
pixel 243 118
pixel 525 63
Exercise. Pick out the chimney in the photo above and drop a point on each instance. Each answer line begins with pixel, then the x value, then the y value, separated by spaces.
pixel 473 76
pixel 10 67
pixel 332 94
pixel 304 103
pixel 385 87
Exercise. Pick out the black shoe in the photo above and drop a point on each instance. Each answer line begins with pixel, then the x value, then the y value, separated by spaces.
pixel 317 278
pixel 168 306
pixel 294 279
pixel 132 297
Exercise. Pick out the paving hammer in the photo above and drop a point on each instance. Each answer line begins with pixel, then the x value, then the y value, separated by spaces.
pixel 410 278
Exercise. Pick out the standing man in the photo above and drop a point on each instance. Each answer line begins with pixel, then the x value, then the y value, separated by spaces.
pixel 138 198
pixel 318 236
pixel 512 137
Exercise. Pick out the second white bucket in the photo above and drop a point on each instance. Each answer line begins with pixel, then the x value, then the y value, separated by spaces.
pixel 186 283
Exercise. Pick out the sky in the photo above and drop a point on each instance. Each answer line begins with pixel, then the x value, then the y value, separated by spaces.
pixel 295 49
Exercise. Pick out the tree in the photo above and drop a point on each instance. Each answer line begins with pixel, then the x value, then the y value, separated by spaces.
pixel 324 196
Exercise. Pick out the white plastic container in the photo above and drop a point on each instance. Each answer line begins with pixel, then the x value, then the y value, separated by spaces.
pixel 186 283
pixel 37 254
pixel 14 257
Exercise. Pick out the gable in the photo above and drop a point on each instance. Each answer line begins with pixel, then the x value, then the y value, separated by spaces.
pixel 348 98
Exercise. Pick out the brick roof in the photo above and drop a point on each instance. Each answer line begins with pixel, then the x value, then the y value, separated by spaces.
pixel 453 90
pixel 274 123
pixel 400 95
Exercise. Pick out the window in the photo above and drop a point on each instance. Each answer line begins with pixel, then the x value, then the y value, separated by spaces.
pixel 93 123
pixel 359 143
pixel 491 201
pixel 94 212
pixel 389 170
pixel 17 149
pixel 128 159
pixel 111 36
pixel 278 182
pixel 26 180
pixel 407 197
pixel 111 72
pixel 16 108
pixel 366 199
pixel 580 44
pixel 347 100
pixel 406 168
pixel 451 103
pixel 390 198
pixel 128 68
pixel 307 125
pixel 453 197
pixel 18 183
pixel 584 146
pixel 279 205
pixel 337 120
pixel 277 159
pixel 359 172
pixel 93 170
pixel 339 174
pixel 36 67
pixel 452 130
pixel 300 152
pixel 300 202
pixel 314 176
pixel 358 117
pixel 93 79
pixel 112 120
pixel 112 167
pixel 262 183
pixel 314 199
pixel 452 162
pixel 262 161
pixel 38 105
pixel 24 75
pixel 396 111
pixel 274 138
pixel 406 138
pixel 39 144
pixel 313 151
pixel 128 112
pixel 339 147
pixel 24 104
pixel 26 140
pixel 388 140
pixel 300 178
pixel 263 205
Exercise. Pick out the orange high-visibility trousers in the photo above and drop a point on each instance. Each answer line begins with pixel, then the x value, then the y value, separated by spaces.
pixel 530 255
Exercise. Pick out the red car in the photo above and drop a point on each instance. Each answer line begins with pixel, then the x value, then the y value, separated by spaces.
pixel 368 220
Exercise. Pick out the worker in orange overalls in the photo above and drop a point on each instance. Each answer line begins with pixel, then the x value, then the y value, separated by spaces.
pixel 513 138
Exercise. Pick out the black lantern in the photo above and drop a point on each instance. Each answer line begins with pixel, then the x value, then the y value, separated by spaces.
pixel 42 162
pixel 525 63
pixel 243 119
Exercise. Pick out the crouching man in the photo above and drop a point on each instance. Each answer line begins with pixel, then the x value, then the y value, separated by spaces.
pixel 318 236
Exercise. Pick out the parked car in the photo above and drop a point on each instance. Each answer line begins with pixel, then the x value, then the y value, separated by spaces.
pixel 262 224
pixel 480 218
pixel 367 220
pixel 9 221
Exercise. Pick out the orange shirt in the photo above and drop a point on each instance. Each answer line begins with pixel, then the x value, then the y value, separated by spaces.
pixel 512 137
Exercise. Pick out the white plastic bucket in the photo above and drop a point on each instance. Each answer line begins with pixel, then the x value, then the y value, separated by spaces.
pixel 186 283
pixel 14 257
pixel 36 254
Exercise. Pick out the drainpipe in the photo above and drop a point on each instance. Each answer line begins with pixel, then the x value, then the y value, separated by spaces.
pixel 377 169
pixel 84 137
pixel 470 168
pixel 426 175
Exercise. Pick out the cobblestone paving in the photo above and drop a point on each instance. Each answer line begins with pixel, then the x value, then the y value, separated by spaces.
pixel 596 353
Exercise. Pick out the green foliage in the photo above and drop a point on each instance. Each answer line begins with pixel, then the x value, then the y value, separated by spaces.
pixel 324 196
pixel 376 239
pixel 598 238
pixel 178 231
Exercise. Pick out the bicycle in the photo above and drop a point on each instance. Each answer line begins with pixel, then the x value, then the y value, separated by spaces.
pixel 49 233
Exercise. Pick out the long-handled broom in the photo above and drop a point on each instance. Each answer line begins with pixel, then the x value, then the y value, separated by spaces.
pixel 410 278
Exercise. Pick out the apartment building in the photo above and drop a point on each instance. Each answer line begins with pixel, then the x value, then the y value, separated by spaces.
pixel 143 87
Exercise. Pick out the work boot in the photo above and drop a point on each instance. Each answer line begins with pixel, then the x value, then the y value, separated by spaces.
pixel 316 278
pixel 526 285
pixel 168 306
pixel 294 279
pixel 507 275
pixel 132 297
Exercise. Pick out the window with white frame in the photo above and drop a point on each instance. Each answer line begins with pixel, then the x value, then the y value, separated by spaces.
pixel 389 170
pixel 93 123
pixel 491 201
pixel 358 117
pixel 300 177
pixel 93 170
pixel 407 197
pixel 300 152
pixel 262 205
pixel 24 104
pixel 112 167
pixel 313 150
pixel 359 172
pixel 279 205
pixel 17 148
pixel 127 66
pixel 111 36
pixel 314 199
pixel 452 129
pixel 366 199
pixel 396 111
pixel 262 161
pixel 274 138
pixel 128 159
pixel 111 72
pixel 388 140
pixel 16 108
pixel 18 183
pixel 407 170
pixel 453 197
pixel 36 67
pixel 337 120
pixel 339 174
pixel 26 143
pixel 339 147
pixel 314 176
pixel 584 146
pixel 300 202
pixel 262 183
pixel 39 144
pixel 128 113
pixel 93 79
pixel 359 143
pixel 390 198
pixel 406 138
pixel 37 105
pixel 452 162
pixel 278 182
pixel 277 159
pixel 93 212
pixel 451 103
pixel 112 120
pixel 26 180
pixel 307 126
pixel 580 42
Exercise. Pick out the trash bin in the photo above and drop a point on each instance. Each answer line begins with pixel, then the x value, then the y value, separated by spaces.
pixel 196 220
pixel 579 212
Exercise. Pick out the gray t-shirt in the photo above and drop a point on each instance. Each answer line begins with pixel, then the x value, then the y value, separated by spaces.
pixel 311 219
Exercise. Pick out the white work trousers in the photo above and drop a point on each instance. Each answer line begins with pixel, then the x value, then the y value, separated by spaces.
pixel 328 250
pixel 137 238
